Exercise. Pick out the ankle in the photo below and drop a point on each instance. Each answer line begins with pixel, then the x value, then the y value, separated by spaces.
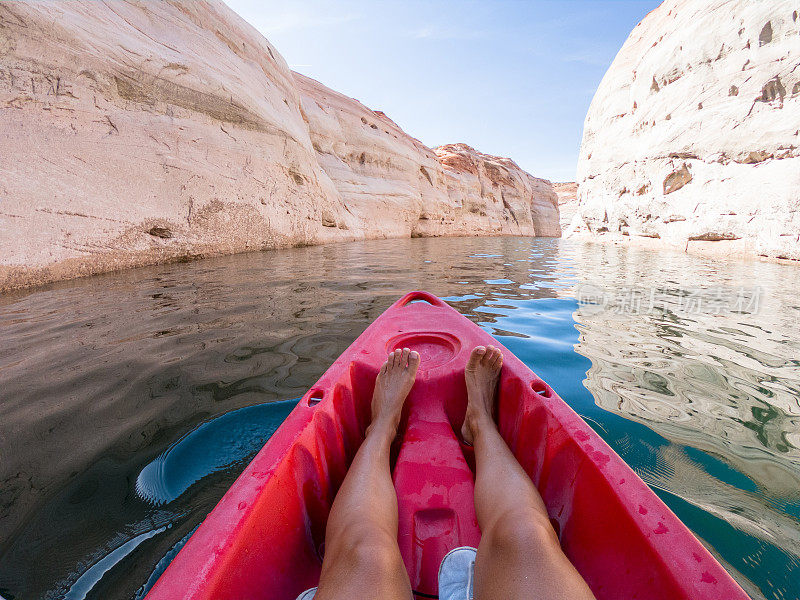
pixel 383 427
pixel 476 420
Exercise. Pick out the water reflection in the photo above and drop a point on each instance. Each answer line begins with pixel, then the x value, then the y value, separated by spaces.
pixel 723 388
pixel 129 402
pixel 727 383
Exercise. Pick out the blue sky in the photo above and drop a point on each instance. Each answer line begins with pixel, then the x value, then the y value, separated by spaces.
pixel 512 78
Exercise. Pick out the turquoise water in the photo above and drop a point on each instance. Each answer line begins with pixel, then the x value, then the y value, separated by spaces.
pixel 130 402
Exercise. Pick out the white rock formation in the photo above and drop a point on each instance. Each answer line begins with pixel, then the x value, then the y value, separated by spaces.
pixel 567 192
pixel 486 185
pixel 141 132
pixel 693 136
pixel 394 185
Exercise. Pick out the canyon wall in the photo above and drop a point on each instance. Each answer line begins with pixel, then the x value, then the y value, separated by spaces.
pixel 693 138
pixel 136 133
pixel 567 192
pixel 394 185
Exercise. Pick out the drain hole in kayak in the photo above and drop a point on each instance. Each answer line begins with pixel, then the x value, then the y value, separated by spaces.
pixel 434 348
pixel 541 388
pixel 417 301
pixel 315 397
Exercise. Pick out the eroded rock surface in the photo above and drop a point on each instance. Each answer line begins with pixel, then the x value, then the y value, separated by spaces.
pixel 142 132
pixel 493 186
pixel 393 185
pixel 693 137
pixel 567 192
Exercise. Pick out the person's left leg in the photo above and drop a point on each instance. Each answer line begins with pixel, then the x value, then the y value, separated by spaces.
pixel 362 559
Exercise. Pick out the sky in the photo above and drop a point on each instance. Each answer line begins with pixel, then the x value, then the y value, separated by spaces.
pixel 509 77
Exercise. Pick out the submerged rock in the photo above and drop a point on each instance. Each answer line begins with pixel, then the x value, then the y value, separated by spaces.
pixel 137 133
pixel 693 137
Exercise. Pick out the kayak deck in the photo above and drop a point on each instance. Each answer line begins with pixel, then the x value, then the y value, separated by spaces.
pixel 265 538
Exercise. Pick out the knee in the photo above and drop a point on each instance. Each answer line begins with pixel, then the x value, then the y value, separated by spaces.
pixel 370 549
pixel 522 532
pixel 380 556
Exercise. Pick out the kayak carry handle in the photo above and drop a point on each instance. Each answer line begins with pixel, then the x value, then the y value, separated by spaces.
pixel 541 388
pixel 420 296
pixel 315 397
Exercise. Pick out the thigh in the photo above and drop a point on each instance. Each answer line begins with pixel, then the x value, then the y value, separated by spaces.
pixel 371 569
pixel 520 559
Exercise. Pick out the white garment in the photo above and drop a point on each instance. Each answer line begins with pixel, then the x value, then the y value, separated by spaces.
pixel 456 576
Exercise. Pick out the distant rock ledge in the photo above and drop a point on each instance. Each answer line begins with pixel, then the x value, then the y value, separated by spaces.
pixel 692 140
pixel 142 133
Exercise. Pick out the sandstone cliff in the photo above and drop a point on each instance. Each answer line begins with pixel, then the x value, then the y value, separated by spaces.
pixel 693 137
pixel 567 192
pixel 491 184
pixel 394 185
pixel 142 132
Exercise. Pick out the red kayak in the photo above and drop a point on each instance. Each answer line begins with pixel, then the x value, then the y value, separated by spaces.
pixel 265 538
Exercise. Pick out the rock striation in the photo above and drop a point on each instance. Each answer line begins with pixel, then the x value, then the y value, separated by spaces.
pixel 490 184
pixel 136 133
pixel 394 185
pixel 693 137
pixel 567 192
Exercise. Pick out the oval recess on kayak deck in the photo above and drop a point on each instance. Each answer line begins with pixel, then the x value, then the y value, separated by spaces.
pixel 435 349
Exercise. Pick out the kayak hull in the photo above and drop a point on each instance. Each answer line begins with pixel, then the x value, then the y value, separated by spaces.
pixel 265 538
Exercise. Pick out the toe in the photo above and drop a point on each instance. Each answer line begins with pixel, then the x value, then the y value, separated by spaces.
pixel 404 357
pixel 497 360
pixel 413 359
pixel 489 356
pixel 475 358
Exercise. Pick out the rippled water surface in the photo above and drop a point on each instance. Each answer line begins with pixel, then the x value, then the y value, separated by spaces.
pixel 130 402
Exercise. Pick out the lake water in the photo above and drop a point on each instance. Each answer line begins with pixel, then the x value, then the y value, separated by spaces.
pixel 130 402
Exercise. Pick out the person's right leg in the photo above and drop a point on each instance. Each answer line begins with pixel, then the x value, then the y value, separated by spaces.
pixel 519 555
pixel 362 559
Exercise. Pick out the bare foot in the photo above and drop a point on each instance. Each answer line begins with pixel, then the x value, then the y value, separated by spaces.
pixel 392 386
pixel 481 373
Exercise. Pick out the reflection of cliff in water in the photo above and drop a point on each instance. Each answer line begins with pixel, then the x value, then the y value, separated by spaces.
pixel 726 383
pixel 685 477
pixel 99 375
